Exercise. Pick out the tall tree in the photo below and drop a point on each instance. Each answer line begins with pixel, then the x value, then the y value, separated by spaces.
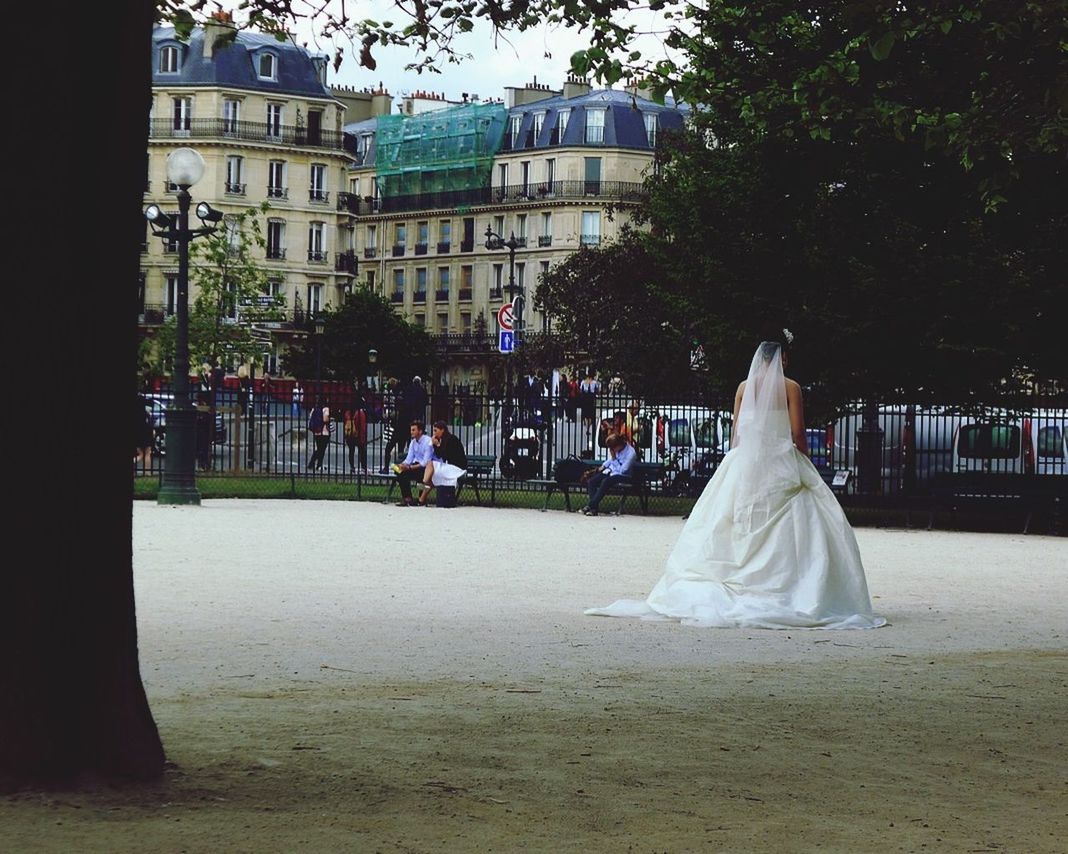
pixel 366 321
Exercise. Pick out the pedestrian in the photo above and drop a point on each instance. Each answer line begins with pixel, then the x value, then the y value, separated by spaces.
pixel 355 426
pixel 393 424
pixel 205 429
pixel 145 426
pixel 587 401
pixel 298 398
pixel 319 428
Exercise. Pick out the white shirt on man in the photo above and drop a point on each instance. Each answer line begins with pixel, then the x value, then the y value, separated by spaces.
pixel 419 451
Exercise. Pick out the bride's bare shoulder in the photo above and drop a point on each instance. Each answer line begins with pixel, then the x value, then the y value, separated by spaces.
pixel 793 386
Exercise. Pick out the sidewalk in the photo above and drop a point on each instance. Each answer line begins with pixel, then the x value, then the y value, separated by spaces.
pixel 353 676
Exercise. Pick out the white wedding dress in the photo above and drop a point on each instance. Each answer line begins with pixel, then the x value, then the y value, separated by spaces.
pixel 767 544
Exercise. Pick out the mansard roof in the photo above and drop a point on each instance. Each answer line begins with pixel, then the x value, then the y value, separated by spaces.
pixel 234 66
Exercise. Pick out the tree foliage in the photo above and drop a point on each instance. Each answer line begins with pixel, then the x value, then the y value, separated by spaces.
pixel 366 321
pixel 231 297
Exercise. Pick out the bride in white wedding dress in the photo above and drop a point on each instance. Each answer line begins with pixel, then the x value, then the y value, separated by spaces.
pixel 767 544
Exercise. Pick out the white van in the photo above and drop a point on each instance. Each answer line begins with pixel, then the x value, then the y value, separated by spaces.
pixel 1029 444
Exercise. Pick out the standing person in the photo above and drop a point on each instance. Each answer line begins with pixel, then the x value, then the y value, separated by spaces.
pixel 355 421
pixel 571 406
pixel 319 428
pixel 205 430
pixel 448 463
pixel 298 398
pixel 393 423
pixel 265 402
pixel 767 545
pixel 587 400
pixel 420 450
pixel 415 400
pixel 621 459
pixel 145 426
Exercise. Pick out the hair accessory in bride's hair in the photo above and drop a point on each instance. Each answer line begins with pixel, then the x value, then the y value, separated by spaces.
pixel 788 335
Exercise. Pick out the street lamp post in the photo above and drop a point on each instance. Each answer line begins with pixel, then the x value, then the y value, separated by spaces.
pixel 515 295
pixel 184 168
pixel 319 327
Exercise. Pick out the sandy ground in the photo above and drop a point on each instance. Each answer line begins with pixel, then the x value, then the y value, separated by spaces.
pixel 335 676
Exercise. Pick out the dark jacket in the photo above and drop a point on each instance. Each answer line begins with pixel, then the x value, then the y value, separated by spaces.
pixel 451 450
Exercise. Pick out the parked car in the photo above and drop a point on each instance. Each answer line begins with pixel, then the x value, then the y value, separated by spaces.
pixel 1029 444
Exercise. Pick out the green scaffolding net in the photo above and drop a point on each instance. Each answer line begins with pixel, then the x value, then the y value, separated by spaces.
pixel 441 151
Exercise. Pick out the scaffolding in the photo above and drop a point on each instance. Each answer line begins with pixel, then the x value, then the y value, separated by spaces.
pixel 441 151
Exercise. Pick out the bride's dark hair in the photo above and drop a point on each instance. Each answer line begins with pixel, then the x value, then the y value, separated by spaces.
pixel 774 339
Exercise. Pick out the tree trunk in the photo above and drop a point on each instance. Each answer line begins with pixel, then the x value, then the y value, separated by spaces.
pixel 72 704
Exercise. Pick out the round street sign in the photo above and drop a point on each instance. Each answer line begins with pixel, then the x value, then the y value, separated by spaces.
pixel 505 317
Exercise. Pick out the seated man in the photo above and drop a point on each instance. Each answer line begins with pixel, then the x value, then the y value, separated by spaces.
pixel 419 452
pixel 448 463
pixel 622 457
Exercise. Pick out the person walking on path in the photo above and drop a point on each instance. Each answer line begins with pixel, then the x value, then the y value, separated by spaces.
pixel 319 428
pixel 355 425
pixel 298 398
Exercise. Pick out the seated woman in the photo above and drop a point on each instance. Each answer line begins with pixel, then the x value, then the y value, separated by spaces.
pixel 448 462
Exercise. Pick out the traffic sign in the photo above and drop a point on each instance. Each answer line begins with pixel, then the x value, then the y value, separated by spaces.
pixel 506 317
pixel 506 341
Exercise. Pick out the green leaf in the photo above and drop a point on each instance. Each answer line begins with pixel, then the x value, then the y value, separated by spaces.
pixel 580 63
pixel 880 50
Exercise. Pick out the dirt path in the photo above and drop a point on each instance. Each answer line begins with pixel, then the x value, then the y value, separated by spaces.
pixel 324 683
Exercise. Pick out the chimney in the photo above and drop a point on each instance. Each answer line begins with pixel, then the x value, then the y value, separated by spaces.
pixel 575 87
pixel 214 29
pixel 638 92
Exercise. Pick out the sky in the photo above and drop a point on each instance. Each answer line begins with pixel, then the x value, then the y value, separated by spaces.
pixel 516 59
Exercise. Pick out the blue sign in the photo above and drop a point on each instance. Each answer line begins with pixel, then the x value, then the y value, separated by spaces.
pixel 506 341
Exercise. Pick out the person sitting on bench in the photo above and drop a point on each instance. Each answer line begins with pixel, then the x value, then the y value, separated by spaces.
pixel 419 452
pixel 622 457
pixel 448 463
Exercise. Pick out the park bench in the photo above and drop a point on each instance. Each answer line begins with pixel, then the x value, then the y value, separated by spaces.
pixel 480 468
pixel 636 483
pixel 992 491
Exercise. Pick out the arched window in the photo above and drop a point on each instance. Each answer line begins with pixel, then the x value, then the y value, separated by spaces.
pixel 267 66
pixel 168 60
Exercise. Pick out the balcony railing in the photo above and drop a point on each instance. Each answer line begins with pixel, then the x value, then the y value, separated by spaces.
pixel 590 240
pixel 321 196
pixel 278 192
pixel 443 246
pixel 233 189
pixel 398 250
pixel 395 297
pixel 276 253
pixel 496 293
pixel 465 294
pixel 346 262
pixel 545 240
pixel 521 243
pixel 441 295
pixel 247 132
pixel 467 245
pixel 420 249
pixel 535 191
pixel 419 296
pixel 268 313
pixel 370 252
pixel 317 256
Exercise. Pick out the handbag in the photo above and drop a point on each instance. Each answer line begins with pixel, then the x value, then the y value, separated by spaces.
pixel 571 470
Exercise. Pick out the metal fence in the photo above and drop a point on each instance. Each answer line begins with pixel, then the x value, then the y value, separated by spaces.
pixel 890 453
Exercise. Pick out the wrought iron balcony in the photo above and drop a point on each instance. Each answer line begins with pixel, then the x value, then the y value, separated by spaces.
pixel 276 253
pixel 467 245
pixel 370 252
pixel 419 296
pixel 317 256
pixel 590 240
pixel 534 191
pixel 278 192
pixel 247 132
pixel 420 249
pixel 443 246
pixel 395 297
pixel 321 196
pixel 398 250
pixel 346 262
pixel 357 205
pixel 496 293
pixel 465 294
pixel 545 240
pixel 441 295
pixel 233 189
pixel 521 243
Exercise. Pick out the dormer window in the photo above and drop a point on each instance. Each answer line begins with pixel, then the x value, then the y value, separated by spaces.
pixel 651 128
pixel 513 129
pixel 267 66
pixel 539 121
pixel 168 60
pixel 561 123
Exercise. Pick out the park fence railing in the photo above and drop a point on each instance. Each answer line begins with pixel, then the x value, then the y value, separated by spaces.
pixel 887 454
